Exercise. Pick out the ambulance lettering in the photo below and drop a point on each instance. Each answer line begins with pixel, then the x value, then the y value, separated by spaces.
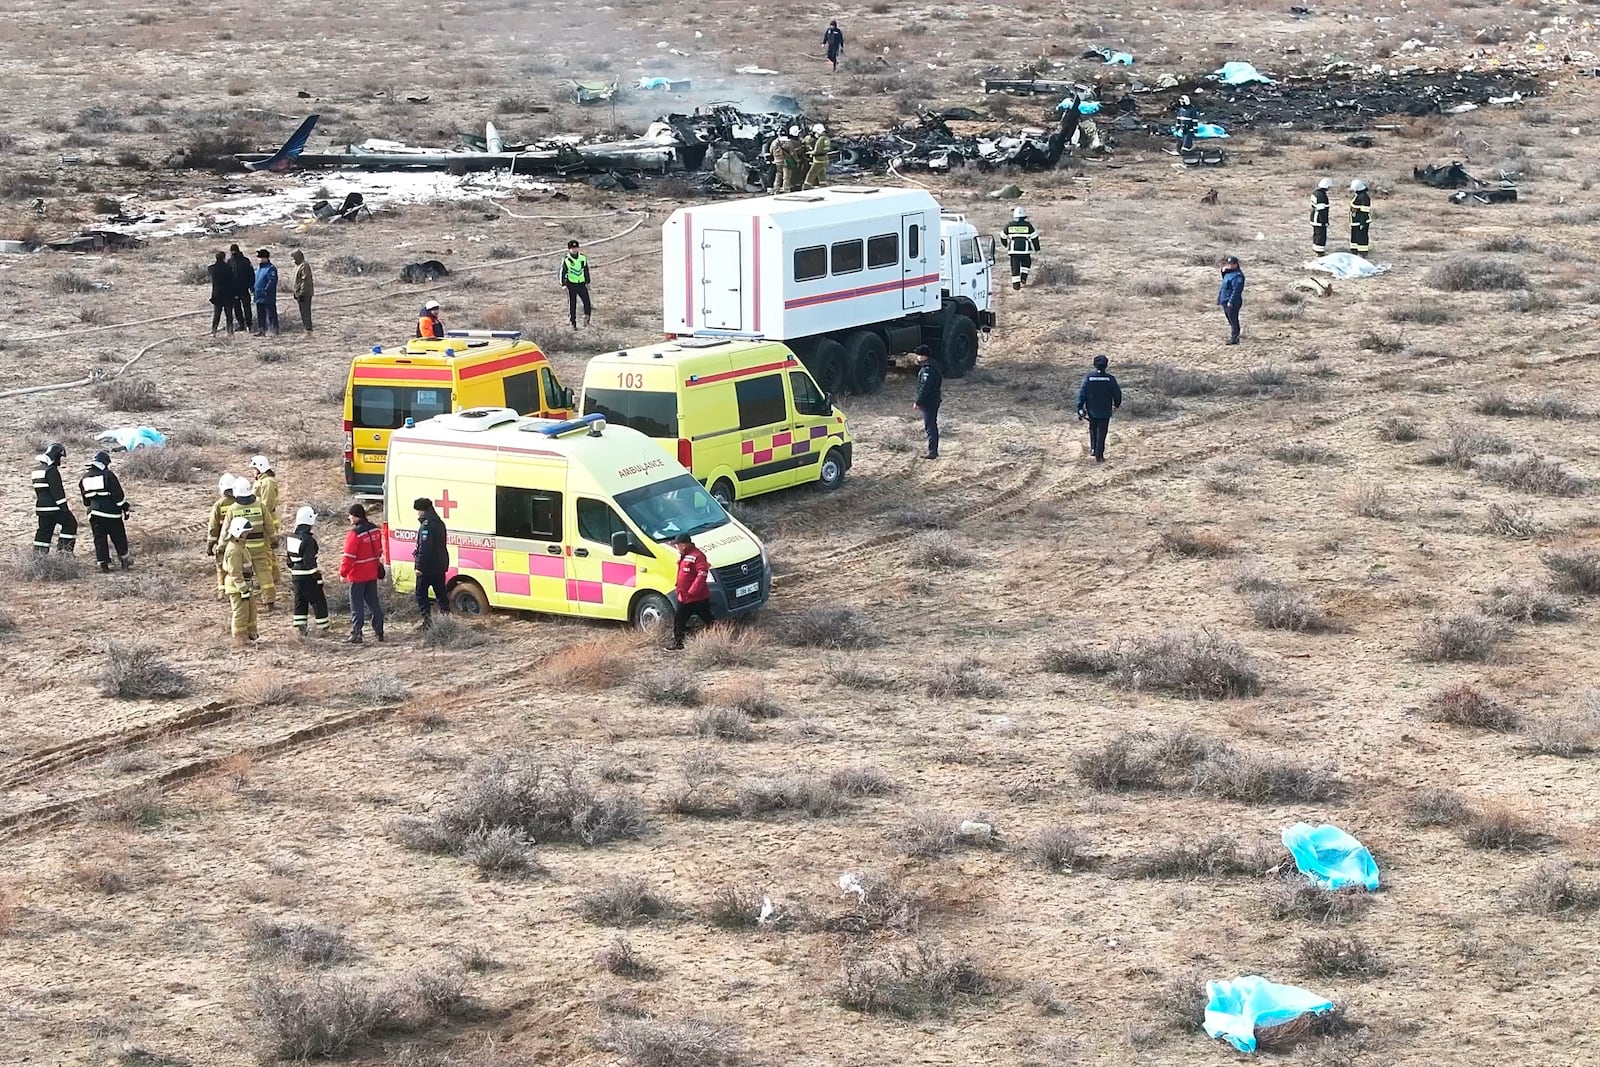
pixel 641 468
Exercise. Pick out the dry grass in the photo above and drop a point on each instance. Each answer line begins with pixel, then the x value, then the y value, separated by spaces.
pixel 831 628
pixel 1368 500
pixel 174 465
pixel 1520 600
pixel 1210 857
pixel 1060 659
pixel 1461 274
pixel 1339 956
pixel 623 960
pixel 1060 850
pixel 1464 446
pixel 99 877
pixel 725 724
pixel 1464 638
pixel 965 677
pixel 1466 705
pixel 670 687
pixel 1186 543
pixel 594 664
pixel 498 851
pixel 1532 474
pixel 130 394
pixel 298 941
pixel 1399 429
pixel 910 981
pixel 1435 806
pixel 136 809
pixel 1564 733
pixel 1280 608
pixel 750 699
pixel 1295 897
pixel 1301 453
pixel 622 900
pixel 328 1016
pixel 137 672
pixel 269 690
pixel 727 646
pixel 813 795
pixel 446 631
pixel 1576 573
pixel 1497 826
pixel 1550 890
pixel 1201 665
pixel 876 904
pixel 1510 522
pixel 940 551
pixel 1259 778
pixel 691 1042
pixel 1181 1000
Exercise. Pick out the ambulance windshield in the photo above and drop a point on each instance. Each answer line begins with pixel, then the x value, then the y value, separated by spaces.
pixel 671 507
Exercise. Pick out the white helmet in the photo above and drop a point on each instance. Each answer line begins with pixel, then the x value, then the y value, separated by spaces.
pixel 305 517
pixel 261 464
pixel 244 487
pixel 1184 100
pixel 1017 214
pixel 1326 183
pixel 794 131
pixel 1357 186
pixel 238 526
pixel 225 483
pixel 431 305
pixel 817 128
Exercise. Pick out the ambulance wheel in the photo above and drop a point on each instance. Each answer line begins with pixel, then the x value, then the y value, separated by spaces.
pixel 869 362
pixel 960 348
pixel 831 476
pixel 650 611
pixel 722 492
pixel 467 598
pixel 828 366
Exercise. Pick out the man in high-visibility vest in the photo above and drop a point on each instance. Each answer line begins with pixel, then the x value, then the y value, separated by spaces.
pixel 817 176
pixel 575 276
pixel 1360 218
pixel 1022 241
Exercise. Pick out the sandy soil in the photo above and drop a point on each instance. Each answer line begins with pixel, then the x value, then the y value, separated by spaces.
pixel 117 943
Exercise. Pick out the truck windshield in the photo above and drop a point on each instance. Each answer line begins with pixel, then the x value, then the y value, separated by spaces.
pixel 652 414
pixel 672 507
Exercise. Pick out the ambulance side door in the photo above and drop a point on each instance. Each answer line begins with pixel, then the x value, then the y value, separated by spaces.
pixel 605 582
pixel 765 458
pixel 812 418
pixel 530 554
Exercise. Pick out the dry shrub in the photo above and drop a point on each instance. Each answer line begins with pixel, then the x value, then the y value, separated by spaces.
pixel 594 664
pixel 8 911
pixel 1521 600
pixel 750 698
pixel 1253 778
pixel 1368 500
pixel 812 795
pixel 1399 429
pixel 1511 522
pixel 849 674
pixel 1181 1001
pixel 1465 445
pixel 691 1042
pixel 623 960
pixel 671 686
pixel 1301 1029
pixel 298 941
pixel 30 567
pixel 910 981
pixel 1500 827
pixel 727 646
pixel 130 394
pixel 99 877
pixel 1300 453
pixel 1296 897
pixel 876 903
pixel 622 900
pixel 1574 573
pixel 1466 705
pixel 832 628
pixel 268 691
pixel 174 465
pixel 1339 956
pixel 498 850
pixel 1167 380
pixel 1532 474
pixel 136 809
pixel 1549 890
pixel 1210 857
pixel 1435 806
pixel 1460 274
pixel 136 672
pixel 1494 402
pixel 1121 764
pixel 1564 734
pixel 1060 849
pixel 1064 660
pixel 326 1016
pixel 445 631
pixel 940 551
pixel 1281 608
pixel 1190 664
pixel 862 780
pixel 928 833
pixel 965 677
pixel 1465 638
pixel 727 724
pixel 1195 544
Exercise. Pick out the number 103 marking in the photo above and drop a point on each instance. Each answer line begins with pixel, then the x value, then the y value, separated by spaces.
pixel 630 380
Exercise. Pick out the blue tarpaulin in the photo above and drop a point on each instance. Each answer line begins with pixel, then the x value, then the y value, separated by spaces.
pixel 1330 857
pixel 1235 1009
pixel 1085 107
pixel 1239 74
pixel 132 437
pixel 654 83
pixel 1202 129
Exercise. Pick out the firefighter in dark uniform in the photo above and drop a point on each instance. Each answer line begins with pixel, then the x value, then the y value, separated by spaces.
pixel 300 547
pixel 108 509
pixel 1098 397
pixel 1360 218
pixel 1188 123
pixel 50 503
pixel 1319 216
pixel 575 276
pixel 930 394
pixel 1022 241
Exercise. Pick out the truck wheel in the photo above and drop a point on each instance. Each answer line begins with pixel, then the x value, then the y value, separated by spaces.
pixel 831 476
pixel 960 348
pixel 827 366
pixel 467 598
pixel 868 359
pixel 650 611
pixel 722 492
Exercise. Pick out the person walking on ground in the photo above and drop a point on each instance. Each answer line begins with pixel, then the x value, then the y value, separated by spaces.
pixel 50 504
pixel 930 393
pixel 794 162
pixel 432 559
pixel 217 532
pixel 244 283
pixel 304 286
pixel 817 176
pixel 108 510
pixel 266 293
pixel 266 491
pixel 223 298
pixel 429 325
pixel 1098 397
pixel 263 528
pixel 239 579
pixel 1360 218
pixel 1230 297
pixel 1022 241
pixel 833 41
pixel 1319 216
pixel 694 589
pixel 300 551
pixel 362 567
pixel 575 276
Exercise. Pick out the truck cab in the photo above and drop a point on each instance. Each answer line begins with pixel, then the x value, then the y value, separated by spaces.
pixel 966 264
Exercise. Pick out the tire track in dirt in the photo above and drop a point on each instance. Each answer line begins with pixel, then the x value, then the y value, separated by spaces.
pixel 60 757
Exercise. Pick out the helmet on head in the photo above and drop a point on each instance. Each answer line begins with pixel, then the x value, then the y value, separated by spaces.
pixel 1357 186
pixel 238 527
pixel 305 517
pixel 1184 100
pixel 817 128
pixel 1017 214
pixel 55 451
pixel 794 131
pixel 225 483
pixel 243 487
pixel 1326 183
pixel 261 463
pixel 431 305
pixel 102 458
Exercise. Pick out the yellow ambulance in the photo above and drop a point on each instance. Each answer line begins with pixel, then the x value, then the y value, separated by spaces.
pixel 568 517
pixel 428 377
pixel 744 416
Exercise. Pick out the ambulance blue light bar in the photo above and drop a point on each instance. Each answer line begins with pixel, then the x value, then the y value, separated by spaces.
pixel 594 423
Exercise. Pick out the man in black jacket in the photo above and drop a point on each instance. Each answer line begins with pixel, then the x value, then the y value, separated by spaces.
pixel 833 41
pixel 930 392
pixel 431 559
pixel 310 599
pixel 108 509
pixel 50 503
pixel 1098 397
pixel 223 300
pixel 244 284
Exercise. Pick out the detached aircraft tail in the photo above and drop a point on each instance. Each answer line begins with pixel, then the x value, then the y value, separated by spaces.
pixel 284 157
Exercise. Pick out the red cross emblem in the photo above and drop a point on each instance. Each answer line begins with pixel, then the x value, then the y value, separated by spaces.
pixel 444 504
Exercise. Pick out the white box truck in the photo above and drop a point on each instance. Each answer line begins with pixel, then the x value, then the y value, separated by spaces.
pixel 847 276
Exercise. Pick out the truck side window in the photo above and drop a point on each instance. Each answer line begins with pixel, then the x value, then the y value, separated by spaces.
pixel 761 401
pixel 522 393
pixel 528 514
pixel 969 251
pixel 810 263
pixel 847 257
pixel 597 522
pixel 914 242
pixel 883 251
pixel 808 399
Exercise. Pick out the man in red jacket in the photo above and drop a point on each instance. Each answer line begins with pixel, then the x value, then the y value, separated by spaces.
pixel 361 567
pixel 694 590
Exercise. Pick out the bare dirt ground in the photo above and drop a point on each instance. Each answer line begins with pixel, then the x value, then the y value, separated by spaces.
pixel 1380 495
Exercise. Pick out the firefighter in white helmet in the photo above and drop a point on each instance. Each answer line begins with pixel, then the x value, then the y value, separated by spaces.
pixel 266 486
pixel 258 540
pixel 795 162
pixel 1022 241
pixel 300 550
pixel 239 577
pixel 218 530
pixel 817 176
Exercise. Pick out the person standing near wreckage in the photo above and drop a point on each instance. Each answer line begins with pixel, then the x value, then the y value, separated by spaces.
pixel 1022 241
pixel 1319 216
pixel 1230 296
pixel 244 283
pixel 794 162
pixel 817 176
pixel 833 41
pixel 1360 218
pixel 266 293
pixel 575 276
pixel 1188 123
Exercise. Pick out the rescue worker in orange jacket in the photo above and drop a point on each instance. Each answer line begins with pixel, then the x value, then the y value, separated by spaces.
pixel 428 324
